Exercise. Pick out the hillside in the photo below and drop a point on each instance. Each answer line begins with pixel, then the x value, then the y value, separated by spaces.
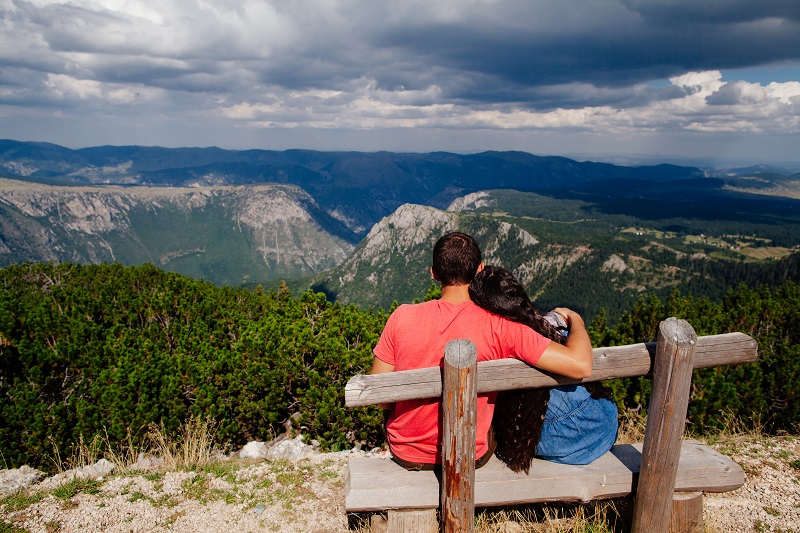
pixel 589 252
pixel 228 235
pixel 577 252
pixel 393 261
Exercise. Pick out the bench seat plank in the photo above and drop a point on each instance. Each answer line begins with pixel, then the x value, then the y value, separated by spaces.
pixel 379 484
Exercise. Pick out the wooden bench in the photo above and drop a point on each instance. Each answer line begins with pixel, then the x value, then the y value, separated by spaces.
pixel 666 476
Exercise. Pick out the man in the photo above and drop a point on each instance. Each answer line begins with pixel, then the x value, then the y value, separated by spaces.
pixel 415 337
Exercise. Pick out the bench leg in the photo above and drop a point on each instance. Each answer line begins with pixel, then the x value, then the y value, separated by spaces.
pixel 687 513
pixel 377 523
pixel 407 521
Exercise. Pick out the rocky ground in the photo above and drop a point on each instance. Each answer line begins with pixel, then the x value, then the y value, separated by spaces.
pixel 770 497
pixel 300 489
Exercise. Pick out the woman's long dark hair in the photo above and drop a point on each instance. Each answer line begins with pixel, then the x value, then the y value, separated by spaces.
pixel 518 414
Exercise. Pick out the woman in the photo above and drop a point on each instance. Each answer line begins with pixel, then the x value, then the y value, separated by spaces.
pixel 571 424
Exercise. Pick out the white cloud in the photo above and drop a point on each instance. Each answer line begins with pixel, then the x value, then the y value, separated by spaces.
pixel 700 83
pixel 787 92
pixel 502 65
pixel 753 108
pixel 63 87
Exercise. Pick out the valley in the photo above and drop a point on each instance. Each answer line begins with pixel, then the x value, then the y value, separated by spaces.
pixel 359 226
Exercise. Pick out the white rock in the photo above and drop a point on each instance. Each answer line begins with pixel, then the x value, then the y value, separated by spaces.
pixel 18 478
pixel 253 450
pixel 101 468
pixel 292 450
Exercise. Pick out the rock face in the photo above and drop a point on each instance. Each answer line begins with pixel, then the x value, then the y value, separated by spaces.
pixel 393 261
pixel 615 264
pixel 407 228
pixel 223 234
pixel 472 201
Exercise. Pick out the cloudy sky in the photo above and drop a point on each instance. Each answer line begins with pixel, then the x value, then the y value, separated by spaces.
pixel 596 79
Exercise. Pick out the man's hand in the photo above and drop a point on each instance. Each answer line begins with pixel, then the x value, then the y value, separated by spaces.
pixel 573 359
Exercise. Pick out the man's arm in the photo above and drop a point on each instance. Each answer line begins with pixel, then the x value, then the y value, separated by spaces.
pixel 380 366
pixel 573 359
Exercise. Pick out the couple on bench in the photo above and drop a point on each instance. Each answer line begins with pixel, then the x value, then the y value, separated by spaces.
pixel 573 424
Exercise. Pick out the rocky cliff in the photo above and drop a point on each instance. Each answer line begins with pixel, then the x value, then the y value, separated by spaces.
pixel 224 234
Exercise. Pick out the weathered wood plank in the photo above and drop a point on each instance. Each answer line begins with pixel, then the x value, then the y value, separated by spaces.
pixel 666 418
pixel 379 484
pixel 506 374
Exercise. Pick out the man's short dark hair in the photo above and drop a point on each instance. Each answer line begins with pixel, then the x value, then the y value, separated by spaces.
pixel 456 258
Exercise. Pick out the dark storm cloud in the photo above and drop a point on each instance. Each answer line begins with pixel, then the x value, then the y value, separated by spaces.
pixel 681 12
pixel 481 51
pixel 377 65
pixel 618 46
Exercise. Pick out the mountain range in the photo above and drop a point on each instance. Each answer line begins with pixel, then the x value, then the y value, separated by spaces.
pixel 362 224
pixel 357 188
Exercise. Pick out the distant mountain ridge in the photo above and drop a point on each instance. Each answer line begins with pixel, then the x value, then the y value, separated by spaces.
pixel 357 188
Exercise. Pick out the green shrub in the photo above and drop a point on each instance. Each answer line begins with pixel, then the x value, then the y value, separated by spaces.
pixel 96 350
pixel 109 350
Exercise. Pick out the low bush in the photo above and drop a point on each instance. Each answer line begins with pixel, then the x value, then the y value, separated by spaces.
pixel 106 351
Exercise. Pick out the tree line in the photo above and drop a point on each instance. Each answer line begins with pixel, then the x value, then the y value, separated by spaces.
pixel 109 349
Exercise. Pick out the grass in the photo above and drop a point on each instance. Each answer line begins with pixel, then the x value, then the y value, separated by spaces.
pixel 75 486
pixel 80 455
pixel 19 500
pixel 136 496
pixel 595 517
pixel 631 427
pixel 598 517
pixel 85 453
pixel 5 527
pixel 735 434
pixel 194 446
pixel 225 470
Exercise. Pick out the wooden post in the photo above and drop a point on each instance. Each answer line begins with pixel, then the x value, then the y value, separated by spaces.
pixel 410 521
pixel 459 418
pixel 687 513
pixel 666 417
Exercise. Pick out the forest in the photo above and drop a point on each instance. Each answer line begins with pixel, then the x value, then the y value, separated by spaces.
pixel 107 350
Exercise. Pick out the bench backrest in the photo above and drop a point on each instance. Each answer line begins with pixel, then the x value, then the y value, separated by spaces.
pixel 506 374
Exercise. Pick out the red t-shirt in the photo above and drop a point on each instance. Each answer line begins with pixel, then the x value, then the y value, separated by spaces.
pixel 415 336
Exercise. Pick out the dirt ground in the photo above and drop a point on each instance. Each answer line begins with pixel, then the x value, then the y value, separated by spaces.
pixel 307 496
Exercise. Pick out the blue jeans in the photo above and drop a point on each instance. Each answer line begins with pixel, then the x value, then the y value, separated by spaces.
pixel 577 428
